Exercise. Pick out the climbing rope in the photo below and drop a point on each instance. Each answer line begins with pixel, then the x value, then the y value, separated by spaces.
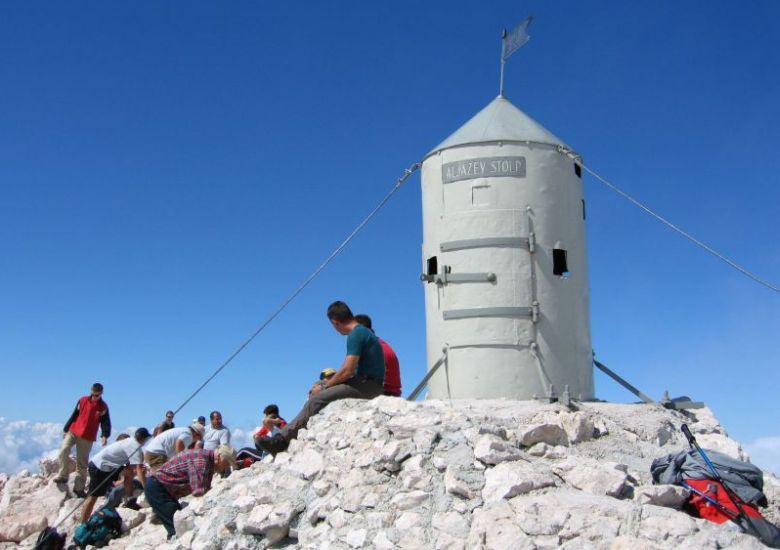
pixel 569 153
pixel 401 180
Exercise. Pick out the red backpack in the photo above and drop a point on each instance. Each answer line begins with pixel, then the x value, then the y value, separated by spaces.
pixel 706 509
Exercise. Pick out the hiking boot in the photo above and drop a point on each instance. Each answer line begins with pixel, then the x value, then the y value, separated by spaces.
pixel 132 504
pixel 273 445
pixel 155 520
pixel 60 480
pixel 81 493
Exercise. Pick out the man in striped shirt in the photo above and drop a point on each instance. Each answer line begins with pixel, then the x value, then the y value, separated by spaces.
pixel 189 472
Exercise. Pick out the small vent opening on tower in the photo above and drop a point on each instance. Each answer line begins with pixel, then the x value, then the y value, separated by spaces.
pixel 431 267
pixel 560 267
pixel 583 209
pixel 578 170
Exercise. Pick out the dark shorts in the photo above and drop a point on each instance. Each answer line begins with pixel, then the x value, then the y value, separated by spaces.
pixel 101 482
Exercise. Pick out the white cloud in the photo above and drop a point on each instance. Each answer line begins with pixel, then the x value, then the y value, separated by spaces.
pixel 765 453
pixel 241 437
pixel 24 443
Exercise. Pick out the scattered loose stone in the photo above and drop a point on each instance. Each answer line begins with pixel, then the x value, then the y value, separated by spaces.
pixel 446 475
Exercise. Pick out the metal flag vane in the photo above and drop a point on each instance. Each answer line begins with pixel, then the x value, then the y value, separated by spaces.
pixel 510 43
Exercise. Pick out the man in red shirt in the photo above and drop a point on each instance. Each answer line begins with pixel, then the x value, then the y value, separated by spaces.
pixel 81 430
pixel 392 368
pixel 189 472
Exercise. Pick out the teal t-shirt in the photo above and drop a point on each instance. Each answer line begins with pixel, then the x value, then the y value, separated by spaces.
pixel 363 343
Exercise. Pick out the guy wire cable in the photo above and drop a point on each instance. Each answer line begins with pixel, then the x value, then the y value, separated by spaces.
pixel 663 220
pixel 401 180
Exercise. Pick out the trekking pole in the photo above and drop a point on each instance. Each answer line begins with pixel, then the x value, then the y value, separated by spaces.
pixel 735 500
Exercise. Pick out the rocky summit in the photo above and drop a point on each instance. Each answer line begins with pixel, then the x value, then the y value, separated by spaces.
pixel 387 473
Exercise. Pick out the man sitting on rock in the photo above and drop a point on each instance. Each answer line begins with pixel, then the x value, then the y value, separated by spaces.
pixel 270 425
pixel 105 467
pixel 189 472
pixel 392 368
pixel 361 376
pixel 169 443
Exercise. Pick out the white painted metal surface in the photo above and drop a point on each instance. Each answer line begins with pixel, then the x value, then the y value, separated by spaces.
pixel 497 199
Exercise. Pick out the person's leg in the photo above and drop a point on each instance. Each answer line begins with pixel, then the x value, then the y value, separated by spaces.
pixel 127 480
pixel 163 504
pixel 115 496
pixel 83 446
pixel 96 481
pixel 67 444
pixel 86 508
pixel 368 389
pixel 315 405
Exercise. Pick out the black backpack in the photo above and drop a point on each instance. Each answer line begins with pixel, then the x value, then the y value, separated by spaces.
pixel 50 539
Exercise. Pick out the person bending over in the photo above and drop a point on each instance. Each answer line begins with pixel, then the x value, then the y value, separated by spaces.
pixel 105 467
pixel 189 472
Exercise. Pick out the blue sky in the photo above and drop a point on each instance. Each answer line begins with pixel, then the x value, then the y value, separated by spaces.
pixel 170 172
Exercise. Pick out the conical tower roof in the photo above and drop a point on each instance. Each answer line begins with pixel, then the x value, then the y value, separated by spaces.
pixel 499 121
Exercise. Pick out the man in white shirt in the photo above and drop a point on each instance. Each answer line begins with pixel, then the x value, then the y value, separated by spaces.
pixel 169 443
pixel 106 466
pixel 217 434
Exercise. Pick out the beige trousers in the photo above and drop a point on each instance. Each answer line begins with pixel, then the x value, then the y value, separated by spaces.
pixel 83 446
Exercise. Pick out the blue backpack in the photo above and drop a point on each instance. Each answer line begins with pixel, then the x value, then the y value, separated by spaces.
pixel 101 527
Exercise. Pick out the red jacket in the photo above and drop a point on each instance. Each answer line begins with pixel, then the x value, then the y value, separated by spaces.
pixel 392 370
pixel 86 418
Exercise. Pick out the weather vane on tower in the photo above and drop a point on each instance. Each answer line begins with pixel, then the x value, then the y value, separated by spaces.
pixel 510 43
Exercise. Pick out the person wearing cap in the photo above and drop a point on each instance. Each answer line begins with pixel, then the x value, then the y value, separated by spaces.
pixel 189 472
pixel 166 445
pixel 125 456
pixel 361 376
pixel 392 368
pixel 200 420
pixel 166 424
pixel 81 431
pixel 325 375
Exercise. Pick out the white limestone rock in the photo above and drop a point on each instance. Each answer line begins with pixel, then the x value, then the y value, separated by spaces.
pixel 578 427
pixel 491 449
pixel 549 451
pixel 50 466
pixel 463 482
pixel 550 433
pixel 446 475
pixel 29 503
pixel 410 499
pixel 308 463
pixel 509 479
pixel 592 476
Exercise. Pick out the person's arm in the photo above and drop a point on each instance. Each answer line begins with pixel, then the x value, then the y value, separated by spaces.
pixel 72 419
pixel 225 438
pixel 347 371
pixel 180 445
pixel 105 427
